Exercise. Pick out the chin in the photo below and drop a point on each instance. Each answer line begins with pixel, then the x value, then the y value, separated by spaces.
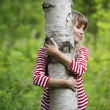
pixel 77 41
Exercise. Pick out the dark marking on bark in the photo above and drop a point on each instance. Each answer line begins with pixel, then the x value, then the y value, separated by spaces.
pixel 47 5
pixel 69 49
pixel 68 17
pixel 76 95
pixel 66 35
pixel 66 21
pixel 56 34
pixel 69 14
pixel 48 41
pixel 66 47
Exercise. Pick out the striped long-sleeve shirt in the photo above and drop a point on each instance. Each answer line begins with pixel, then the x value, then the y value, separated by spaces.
pixel 78 67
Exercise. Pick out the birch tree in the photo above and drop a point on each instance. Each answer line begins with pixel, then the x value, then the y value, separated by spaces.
pixel 58 24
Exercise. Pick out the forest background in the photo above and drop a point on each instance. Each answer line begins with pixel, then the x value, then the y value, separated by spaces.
pixel 22 27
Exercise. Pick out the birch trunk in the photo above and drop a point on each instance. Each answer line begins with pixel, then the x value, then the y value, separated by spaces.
pixel 58 24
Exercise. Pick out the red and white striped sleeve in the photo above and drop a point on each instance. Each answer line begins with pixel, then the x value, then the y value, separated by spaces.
pixel 39 77
pixel 79 66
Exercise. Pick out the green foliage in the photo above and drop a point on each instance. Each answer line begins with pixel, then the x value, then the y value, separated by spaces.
pixel 22 34
pixel 16 69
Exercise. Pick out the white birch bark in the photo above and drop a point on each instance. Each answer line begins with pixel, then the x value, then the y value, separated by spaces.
pixel 58 24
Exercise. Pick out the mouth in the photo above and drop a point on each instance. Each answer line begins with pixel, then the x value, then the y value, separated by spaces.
pixel 80 37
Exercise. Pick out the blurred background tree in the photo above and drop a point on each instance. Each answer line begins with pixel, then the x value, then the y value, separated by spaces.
pixel 22 27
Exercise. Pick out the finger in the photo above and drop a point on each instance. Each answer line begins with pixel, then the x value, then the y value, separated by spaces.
pixel 45 49
pixel 76 80
pixel 71 77
pixel 46 45
pixel 54 43
pixel 76 83
pixel 74 89
pixel 75 86
pixel 46 52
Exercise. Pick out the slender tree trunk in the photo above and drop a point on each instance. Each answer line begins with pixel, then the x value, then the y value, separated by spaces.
pixel 58 20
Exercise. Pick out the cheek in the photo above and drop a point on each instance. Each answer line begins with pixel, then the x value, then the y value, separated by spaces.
pixel 75 30
pixel 75 33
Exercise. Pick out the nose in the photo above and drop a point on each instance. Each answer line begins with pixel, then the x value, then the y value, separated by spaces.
pixel 81 31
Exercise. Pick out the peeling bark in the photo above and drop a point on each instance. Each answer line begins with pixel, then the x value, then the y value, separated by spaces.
pixel 47 5
pixel 58 20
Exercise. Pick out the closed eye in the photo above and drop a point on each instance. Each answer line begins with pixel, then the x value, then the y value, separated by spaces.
pixel 78 27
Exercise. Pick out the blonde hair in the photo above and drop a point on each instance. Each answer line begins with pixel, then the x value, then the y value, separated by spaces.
pixel 82 20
